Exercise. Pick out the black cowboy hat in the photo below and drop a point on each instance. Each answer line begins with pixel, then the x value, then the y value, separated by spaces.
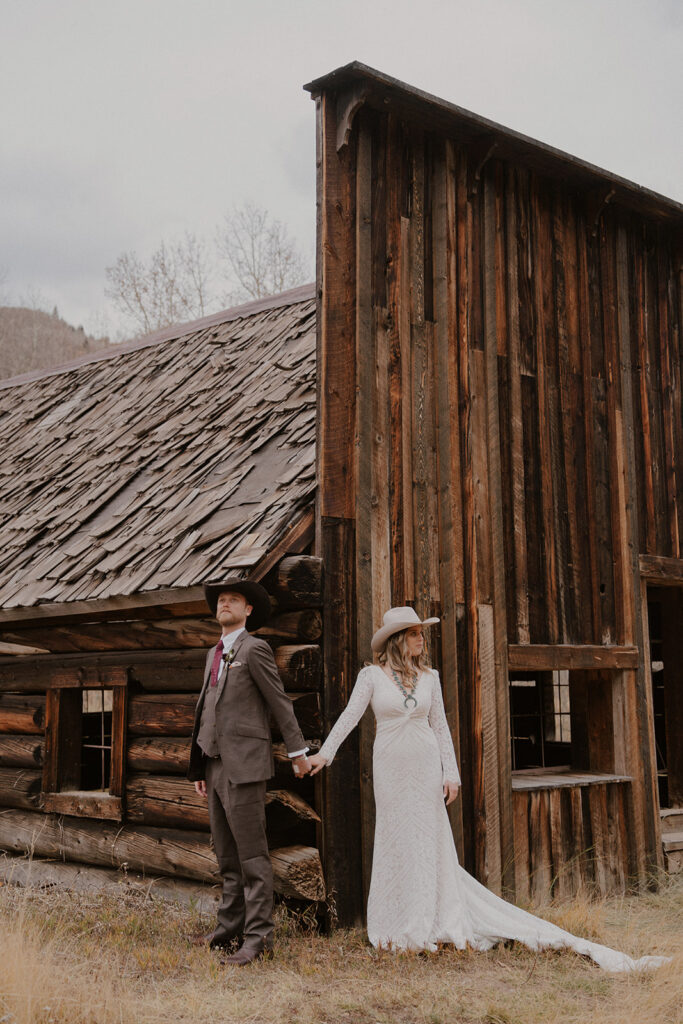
pixel 256 595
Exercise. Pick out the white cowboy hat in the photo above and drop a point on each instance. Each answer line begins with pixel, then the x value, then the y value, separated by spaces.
pixel 395 620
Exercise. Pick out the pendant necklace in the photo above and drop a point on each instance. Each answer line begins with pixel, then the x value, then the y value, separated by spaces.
pixel 406 695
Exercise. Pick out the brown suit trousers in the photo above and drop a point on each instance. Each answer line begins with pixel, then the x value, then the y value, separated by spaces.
pixel 238 827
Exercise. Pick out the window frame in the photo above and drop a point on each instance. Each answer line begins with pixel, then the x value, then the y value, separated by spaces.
pixel 64 700
pixel 547 684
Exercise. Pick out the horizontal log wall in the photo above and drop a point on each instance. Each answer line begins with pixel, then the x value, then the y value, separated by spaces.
pixel 296 869
pixel 163 689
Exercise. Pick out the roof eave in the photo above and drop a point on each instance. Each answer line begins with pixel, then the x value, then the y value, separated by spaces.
pixel 383 90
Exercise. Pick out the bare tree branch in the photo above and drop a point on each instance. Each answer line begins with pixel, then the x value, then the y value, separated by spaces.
pixel 259 258
pixel 260 253
pixel 174 285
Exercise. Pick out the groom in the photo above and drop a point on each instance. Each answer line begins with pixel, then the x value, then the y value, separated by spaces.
pixel 230 759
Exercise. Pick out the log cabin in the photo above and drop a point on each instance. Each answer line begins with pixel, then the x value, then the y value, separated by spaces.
pixel 475 411
pixel 129 478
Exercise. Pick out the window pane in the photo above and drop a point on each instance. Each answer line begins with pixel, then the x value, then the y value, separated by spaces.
pixel 96 744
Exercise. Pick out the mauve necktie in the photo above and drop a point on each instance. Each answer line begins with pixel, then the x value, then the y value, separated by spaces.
pixel 216 667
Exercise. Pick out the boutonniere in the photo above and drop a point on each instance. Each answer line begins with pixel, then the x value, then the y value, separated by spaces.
pixel 229 657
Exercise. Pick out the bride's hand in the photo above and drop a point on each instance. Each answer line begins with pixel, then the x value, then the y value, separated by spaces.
pixel 450 790
pixel 318 762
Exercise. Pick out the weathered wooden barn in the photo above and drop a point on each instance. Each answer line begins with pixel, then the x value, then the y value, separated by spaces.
pixel 501 444
pixel 492 412
pixel 127 480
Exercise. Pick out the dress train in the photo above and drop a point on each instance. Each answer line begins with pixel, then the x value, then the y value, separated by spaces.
pixel 420 895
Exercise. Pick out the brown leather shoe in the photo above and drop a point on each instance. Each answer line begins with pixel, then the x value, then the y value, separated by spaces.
pixel 213 941
pixel 245 955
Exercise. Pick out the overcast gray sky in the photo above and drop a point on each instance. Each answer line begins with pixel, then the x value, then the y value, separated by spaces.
pixel 128 121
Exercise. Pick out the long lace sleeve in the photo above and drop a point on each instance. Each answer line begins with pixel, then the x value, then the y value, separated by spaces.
pixel 350 716
pixel 439 725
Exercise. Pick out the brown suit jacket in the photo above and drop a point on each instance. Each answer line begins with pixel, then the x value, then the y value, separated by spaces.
pixel 248 690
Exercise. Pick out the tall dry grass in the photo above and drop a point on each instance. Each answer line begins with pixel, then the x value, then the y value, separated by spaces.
pixel 68 958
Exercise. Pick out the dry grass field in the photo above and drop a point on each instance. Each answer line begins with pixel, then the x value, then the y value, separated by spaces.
pixel 68 958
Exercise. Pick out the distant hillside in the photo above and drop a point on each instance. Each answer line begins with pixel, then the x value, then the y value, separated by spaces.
pixel 33 340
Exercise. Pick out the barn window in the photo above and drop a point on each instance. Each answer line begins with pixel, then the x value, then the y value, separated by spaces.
pixel 540 719
pixel 85 727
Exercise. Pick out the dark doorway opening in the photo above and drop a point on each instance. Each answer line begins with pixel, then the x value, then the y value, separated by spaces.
pixel 665 627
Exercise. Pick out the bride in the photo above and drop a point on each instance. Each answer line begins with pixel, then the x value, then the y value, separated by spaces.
pixel 419 894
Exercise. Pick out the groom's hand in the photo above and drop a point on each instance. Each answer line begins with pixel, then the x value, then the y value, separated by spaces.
pixel 300 766
pixel 200 787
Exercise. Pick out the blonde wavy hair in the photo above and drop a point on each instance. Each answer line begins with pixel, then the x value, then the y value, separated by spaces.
pixel 395 656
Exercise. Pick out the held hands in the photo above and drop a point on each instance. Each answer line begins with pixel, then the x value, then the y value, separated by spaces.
pixel 301 765
pixel 317 762
pixel 450 791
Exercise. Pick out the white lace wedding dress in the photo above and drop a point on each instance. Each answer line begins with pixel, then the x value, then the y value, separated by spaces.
pixel 419 893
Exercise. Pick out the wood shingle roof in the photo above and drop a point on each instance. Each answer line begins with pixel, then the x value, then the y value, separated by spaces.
pixel 161 464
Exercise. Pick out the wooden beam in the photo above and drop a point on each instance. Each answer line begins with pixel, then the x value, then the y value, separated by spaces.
pixel 299 666
pixel 63 738
pixel 448 451
pixel 153 604
pixel 335 505
pixel 167 801
pixel 662 571
pixel 20 787
pixel 551 657
pixel 21 751
pixel 84 804
pixel 298 582
pixel 155 714
pixel 88 677
pixel 559 778
pixel 336 321
pixel 303 625
pixel 297 871
pixel 348 104
pixel 364 434
pixel 172 802
pixel 636 696
pixel 24 715
pixel 42 874
pixel 519 625
pixel 161 754
pixel 18 649
pixel 33 674
pixel 132 634
pixel 498 699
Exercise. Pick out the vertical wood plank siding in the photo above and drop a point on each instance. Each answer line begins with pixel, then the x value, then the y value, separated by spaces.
pixel 480 325
pixel 336 520
pixel 571 840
